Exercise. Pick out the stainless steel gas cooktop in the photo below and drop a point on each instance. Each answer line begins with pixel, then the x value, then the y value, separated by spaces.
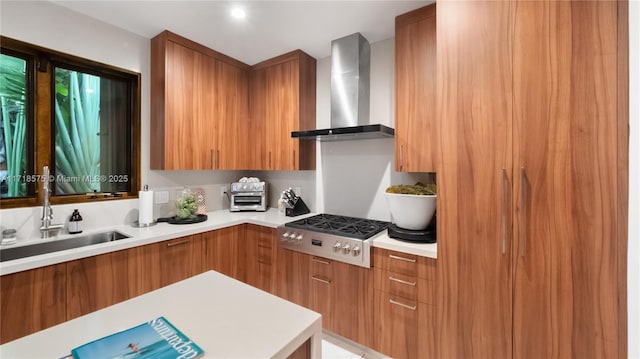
pixel 346 239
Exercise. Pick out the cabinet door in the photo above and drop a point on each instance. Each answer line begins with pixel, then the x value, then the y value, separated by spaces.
pixel 282 111
pixel 231 117
pixel 261 257
pixel 180 259
pixel 189 108
pixel 352 302
pixel 257 148
pixel 32 300
pixel 396 326
pixel 223 251
pixel 474 82
pixel 567 255
pixel 97 282
pixel 416 132
pixel 293 276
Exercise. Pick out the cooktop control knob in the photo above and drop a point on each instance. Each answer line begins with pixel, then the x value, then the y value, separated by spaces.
pixel 299 237
pixel 285 236
pixel 346 249
pixel 355 251
pixel 337 247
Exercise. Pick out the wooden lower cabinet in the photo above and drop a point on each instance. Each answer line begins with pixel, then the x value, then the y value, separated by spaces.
pixel 260 256
pixel 342 293
pixel 404 309
pixel 292 276
pixel 404 328
pixel 224 251
pixel 180 259
pixel 31 301
pixel 96 282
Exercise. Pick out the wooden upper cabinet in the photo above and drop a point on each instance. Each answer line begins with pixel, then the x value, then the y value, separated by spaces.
pixel 416 135
pixel 284 100
pixel 232 114
pixel 197 97
pixel 474 110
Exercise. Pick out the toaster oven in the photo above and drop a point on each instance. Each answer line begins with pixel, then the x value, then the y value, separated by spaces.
pixel 248 196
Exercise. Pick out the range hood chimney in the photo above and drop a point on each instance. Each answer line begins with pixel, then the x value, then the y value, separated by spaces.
pixel 350 73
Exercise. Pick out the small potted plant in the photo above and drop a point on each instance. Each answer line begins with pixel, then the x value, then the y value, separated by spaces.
pixel 412 206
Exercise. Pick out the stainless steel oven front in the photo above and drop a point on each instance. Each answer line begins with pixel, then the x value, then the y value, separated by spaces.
pixel 248 196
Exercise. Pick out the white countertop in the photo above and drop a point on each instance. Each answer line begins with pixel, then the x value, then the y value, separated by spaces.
pixel 225 317
pixel 164 231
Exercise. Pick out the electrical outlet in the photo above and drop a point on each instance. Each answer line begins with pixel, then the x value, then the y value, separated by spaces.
pixel 298 191
pixel 161 197
pixel 223 190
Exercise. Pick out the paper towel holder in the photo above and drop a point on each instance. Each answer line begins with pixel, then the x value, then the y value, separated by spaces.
pixel 137 224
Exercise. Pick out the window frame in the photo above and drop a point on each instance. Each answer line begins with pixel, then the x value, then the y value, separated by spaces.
pixel 43 120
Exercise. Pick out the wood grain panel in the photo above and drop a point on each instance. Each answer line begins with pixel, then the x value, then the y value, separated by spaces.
pixel 261 251
pixel 293 276
pixel 404 263
pixel 257 122
pixel 96 282
pixel 416 137
pixel 623 172
pixel 144 269
pixel 180 259
pixel 396 326
pixel 230 117
pixel 31 301
pixel 224 251
pixel 565 112
pixel 474 110
pixel 352 303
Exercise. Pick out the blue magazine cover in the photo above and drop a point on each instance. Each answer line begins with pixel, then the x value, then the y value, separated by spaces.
pixel 157 339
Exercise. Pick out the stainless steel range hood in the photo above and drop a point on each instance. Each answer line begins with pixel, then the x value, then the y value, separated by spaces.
pixel 350 73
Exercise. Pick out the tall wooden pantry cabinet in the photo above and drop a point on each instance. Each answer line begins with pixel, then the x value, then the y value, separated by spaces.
pixel 532 179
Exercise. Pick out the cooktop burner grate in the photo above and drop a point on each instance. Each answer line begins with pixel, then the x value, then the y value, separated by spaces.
pixel 351 227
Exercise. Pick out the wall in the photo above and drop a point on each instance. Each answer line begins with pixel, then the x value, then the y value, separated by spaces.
pixel 633 260
pixel 61 29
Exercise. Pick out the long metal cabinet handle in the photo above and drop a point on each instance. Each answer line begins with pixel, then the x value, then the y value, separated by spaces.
pixel 402 258
pixel 523 210
pixel 402 281
pixel 401 159
pixel 211 158
pixel 321 280
pixel 505 201
pixel 412 307
pixel 218 159
pixel 171 244
pixel 293 160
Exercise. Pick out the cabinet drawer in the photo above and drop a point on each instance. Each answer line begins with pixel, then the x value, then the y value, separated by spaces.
pixel 404 286
pixel 404 263
pixel 321 268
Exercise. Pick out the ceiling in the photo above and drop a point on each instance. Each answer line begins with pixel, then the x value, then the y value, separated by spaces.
pixel 270 28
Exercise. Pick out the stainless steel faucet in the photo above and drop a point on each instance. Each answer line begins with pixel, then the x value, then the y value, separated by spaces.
pixel 47 229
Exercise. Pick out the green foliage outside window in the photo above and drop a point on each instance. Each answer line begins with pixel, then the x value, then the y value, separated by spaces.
pixel 13 145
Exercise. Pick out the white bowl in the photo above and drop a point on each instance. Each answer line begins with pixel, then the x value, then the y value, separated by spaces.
pixel 411 211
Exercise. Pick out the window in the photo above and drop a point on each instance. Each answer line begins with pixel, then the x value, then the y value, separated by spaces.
pixel 79 117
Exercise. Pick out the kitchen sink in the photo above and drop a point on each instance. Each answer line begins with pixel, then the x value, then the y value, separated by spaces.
pixel 7 254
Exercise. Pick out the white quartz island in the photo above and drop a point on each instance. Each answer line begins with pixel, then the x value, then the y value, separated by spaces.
pixel 225 317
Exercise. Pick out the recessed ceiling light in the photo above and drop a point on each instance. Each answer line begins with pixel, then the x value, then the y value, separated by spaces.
pixel 238 13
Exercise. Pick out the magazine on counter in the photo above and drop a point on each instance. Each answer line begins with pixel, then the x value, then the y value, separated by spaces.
pixel 157 339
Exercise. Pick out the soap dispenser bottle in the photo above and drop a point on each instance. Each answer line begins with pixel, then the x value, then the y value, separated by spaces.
pixel 75 222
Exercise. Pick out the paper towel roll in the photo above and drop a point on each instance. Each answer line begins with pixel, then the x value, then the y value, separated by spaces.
pixel 145 207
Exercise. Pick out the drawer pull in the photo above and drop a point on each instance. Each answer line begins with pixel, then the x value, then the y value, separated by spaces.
pixel 412 307
pixel 321 280
pixel 402 258
pixel 177 243
pixel 320 261
pixel 402 281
